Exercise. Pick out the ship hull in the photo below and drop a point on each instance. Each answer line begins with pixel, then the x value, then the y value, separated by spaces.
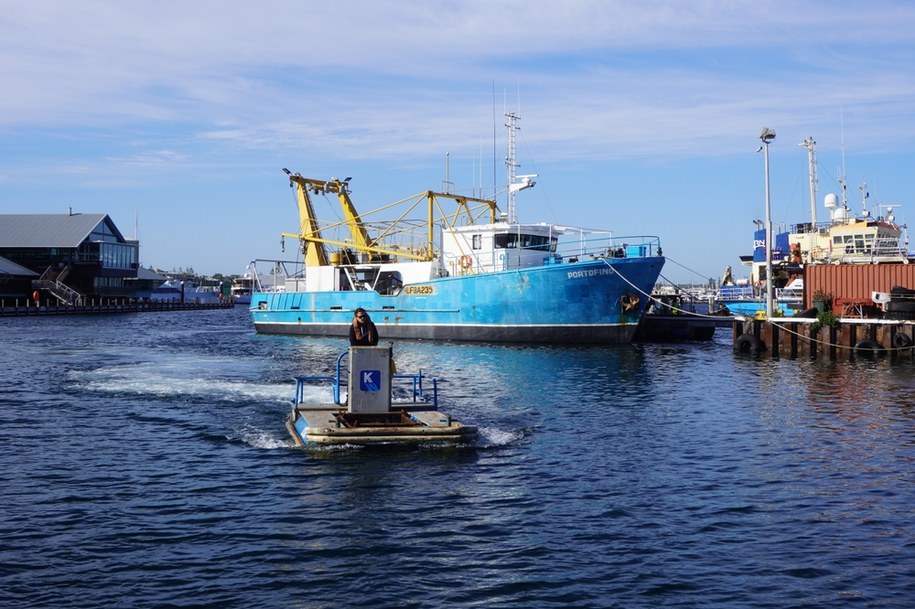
pixel 584 302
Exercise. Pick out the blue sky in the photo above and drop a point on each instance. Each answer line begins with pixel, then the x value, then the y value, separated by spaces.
pixel 642 117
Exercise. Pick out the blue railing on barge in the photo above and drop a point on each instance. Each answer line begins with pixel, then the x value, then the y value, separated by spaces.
pixel 337 381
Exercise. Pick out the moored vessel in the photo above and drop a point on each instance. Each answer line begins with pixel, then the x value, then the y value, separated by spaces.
pixel 453 267
pixel 242 287
pixel 186 290
pixel 845 240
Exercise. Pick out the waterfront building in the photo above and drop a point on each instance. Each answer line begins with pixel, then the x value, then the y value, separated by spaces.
pixel 75 256
pixel 15 279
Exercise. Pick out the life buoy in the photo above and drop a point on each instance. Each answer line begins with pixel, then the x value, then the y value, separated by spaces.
pixel 901 340
pixel 868 348
pixel 747 343
pixel 465 262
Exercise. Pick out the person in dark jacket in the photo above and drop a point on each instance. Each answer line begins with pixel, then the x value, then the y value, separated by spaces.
pixel 363 332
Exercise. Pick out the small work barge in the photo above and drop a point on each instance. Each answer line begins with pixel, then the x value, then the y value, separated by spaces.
pixel 369 415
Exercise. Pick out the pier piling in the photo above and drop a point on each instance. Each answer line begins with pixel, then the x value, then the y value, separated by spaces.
pixel 19 307
pixel 847 340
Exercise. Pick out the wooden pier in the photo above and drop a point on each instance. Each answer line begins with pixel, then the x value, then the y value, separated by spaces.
pixel 847 340
pixel 25 307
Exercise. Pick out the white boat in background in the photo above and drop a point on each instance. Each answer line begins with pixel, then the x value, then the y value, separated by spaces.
pixel 187 291
pixel 272 279
pixel 745 299
pixel 242 288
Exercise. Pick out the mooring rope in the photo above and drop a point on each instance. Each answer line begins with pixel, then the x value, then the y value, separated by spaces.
pixel 779 324
pixel 658 301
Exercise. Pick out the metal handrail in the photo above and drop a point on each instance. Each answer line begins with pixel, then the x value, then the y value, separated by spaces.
pixel 336 380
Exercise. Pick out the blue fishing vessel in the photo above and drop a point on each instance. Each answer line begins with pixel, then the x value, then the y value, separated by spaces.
pixel 453 267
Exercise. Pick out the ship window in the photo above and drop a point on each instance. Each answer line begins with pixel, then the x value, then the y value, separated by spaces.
pixel 389 283
pixel 506 241
pixel 477 242
pixel 530 242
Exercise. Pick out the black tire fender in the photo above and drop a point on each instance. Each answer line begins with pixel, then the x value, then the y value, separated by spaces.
pixel 868 348
pixel 901 340
pixel 747 343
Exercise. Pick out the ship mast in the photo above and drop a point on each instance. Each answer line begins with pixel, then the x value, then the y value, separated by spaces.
pixel 516 183
pixel 510 163
pixel 811 147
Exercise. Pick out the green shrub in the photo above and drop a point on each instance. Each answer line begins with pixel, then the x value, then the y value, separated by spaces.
pixel 826 318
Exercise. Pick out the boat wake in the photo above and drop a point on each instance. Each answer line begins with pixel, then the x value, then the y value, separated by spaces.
pixel 217 379
pixel 263 439
pixel 182 378
pixel 271 440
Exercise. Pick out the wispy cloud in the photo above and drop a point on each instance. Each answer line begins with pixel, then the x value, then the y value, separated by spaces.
pixel 374 66
pixel 132 93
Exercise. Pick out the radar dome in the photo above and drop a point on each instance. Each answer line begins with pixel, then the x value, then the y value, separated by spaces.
pixel 840 215
pixel 831 201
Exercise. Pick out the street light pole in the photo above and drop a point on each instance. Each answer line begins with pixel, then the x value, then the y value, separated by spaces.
pixel 768 136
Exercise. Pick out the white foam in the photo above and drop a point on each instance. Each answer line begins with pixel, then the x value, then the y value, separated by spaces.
pixel 182 376
pixel 258 438
pixel 319 394
pixel 489 436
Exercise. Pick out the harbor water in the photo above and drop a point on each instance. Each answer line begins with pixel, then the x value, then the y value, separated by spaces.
pixel 145 463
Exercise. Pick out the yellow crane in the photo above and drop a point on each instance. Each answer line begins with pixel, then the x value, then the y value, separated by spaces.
pixel 310 235
pixel 314 244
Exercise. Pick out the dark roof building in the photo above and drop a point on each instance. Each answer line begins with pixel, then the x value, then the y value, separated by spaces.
pixel 77 256
pixel 15 280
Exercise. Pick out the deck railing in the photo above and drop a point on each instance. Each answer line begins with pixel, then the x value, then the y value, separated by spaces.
pixel 412 381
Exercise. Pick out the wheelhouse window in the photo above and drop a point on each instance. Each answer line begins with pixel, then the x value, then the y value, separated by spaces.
pixel 477 242
pixel 530 242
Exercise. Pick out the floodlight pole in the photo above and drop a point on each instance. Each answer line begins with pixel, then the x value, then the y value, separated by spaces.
pixel 768 136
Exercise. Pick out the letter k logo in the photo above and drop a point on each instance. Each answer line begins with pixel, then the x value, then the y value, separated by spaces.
pixel 370 380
